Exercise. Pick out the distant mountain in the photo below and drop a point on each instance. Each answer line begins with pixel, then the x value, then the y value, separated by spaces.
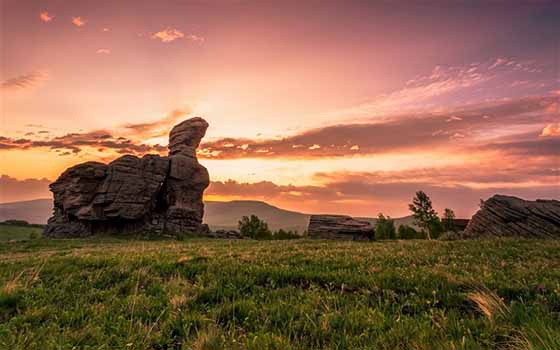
pixel 218 215
pixel 36 211
pixel 227 214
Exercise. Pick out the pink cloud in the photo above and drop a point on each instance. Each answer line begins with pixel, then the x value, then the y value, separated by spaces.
pixel 196 38
pixel 78 21
pixel 168 35
pixel 45 16
pixel 25 81
pixel 103 51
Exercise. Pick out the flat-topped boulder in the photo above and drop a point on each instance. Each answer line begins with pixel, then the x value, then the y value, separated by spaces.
pixel 339 227
pixel 132 194
pixel 506 216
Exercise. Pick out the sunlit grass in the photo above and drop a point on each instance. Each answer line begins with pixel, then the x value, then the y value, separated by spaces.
pixel 301 294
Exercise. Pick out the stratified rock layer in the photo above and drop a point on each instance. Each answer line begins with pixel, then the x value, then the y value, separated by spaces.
pixel 339 227
pixel 507 216
pixel 131 194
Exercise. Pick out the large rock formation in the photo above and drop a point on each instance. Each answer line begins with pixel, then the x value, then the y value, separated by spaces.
pixel 514 217
pixel 131 194
pixel 339 227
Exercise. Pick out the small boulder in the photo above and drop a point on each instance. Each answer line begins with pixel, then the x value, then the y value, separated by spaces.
pixel 339 227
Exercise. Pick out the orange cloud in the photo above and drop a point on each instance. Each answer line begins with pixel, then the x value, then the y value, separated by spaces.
pixel 401 133
pixel 45 16
pixel 551 130
pixel 103 51
pixel 78 22
pixel 168 35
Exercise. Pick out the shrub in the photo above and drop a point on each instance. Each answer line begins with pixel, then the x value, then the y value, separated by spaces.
pixel 385 227
pixel 16 222
pixel 282 234
pixel 435 228
pixel 255 228
pixel 408 232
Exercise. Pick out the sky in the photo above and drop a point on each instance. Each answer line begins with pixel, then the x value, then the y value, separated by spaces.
pixel 342 107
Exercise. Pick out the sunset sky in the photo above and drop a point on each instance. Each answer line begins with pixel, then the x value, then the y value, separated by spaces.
pixel 317 106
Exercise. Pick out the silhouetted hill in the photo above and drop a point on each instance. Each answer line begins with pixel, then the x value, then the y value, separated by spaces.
pixel 227 214
pixel 219 215
pixel 36 211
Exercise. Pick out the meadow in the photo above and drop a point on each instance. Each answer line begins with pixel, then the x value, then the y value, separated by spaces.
pixel 107 293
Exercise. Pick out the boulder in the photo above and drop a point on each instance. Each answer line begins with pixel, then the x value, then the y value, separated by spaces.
pixel 506 216
pixel 131 194
pixel 339 227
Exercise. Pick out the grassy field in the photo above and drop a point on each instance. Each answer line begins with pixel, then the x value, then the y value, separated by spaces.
pixel 16 232
pixel 300 294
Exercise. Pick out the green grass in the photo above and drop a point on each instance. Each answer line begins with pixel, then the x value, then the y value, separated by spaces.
pixel 16 232
pixel 300 294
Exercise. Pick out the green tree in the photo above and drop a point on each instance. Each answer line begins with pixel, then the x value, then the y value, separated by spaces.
pixel 254 227
pixel 448 221
pixel 424 214
pixel 385 227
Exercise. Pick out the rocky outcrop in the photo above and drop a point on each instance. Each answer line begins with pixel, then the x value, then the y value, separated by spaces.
pixel 339 227
pixel 131 194
pixel 505 216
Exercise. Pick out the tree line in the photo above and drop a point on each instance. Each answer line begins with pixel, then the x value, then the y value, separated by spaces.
pixel 425 218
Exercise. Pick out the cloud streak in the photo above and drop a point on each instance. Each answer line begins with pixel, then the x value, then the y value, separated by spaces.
pixel 74 143
pixel 25 81
pixel 472 125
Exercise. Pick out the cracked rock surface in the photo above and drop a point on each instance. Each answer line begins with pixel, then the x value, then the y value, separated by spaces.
pixel 508 216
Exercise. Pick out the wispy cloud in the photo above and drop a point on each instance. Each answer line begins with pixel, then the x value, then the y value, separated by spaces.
pixel 156 128
pixel 196 38
pixel 45 16
pixel 78 21
pixel 168 35
pixel 103 51
pixel 74 143
pixel 130 138
pixel 25 81
pixel 454 85
pixel 471 125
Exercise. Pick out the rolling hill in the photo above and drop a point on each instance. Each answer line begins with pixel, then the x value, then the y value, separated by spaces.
pixel 218 215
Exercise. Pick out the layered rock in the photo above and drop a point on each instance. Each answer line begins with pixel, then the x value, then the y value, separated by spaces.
pixel 506 216
pixel 131 194
pixel 339 227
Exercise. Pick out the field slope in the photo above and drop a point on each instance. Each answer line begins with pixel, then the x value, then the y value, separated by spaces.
pixel 301 294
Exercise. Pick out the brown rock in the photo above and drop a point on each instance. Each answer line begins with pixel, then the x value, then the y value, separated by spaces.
pixel 339 227
pixel 162 194
pixel 505 216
